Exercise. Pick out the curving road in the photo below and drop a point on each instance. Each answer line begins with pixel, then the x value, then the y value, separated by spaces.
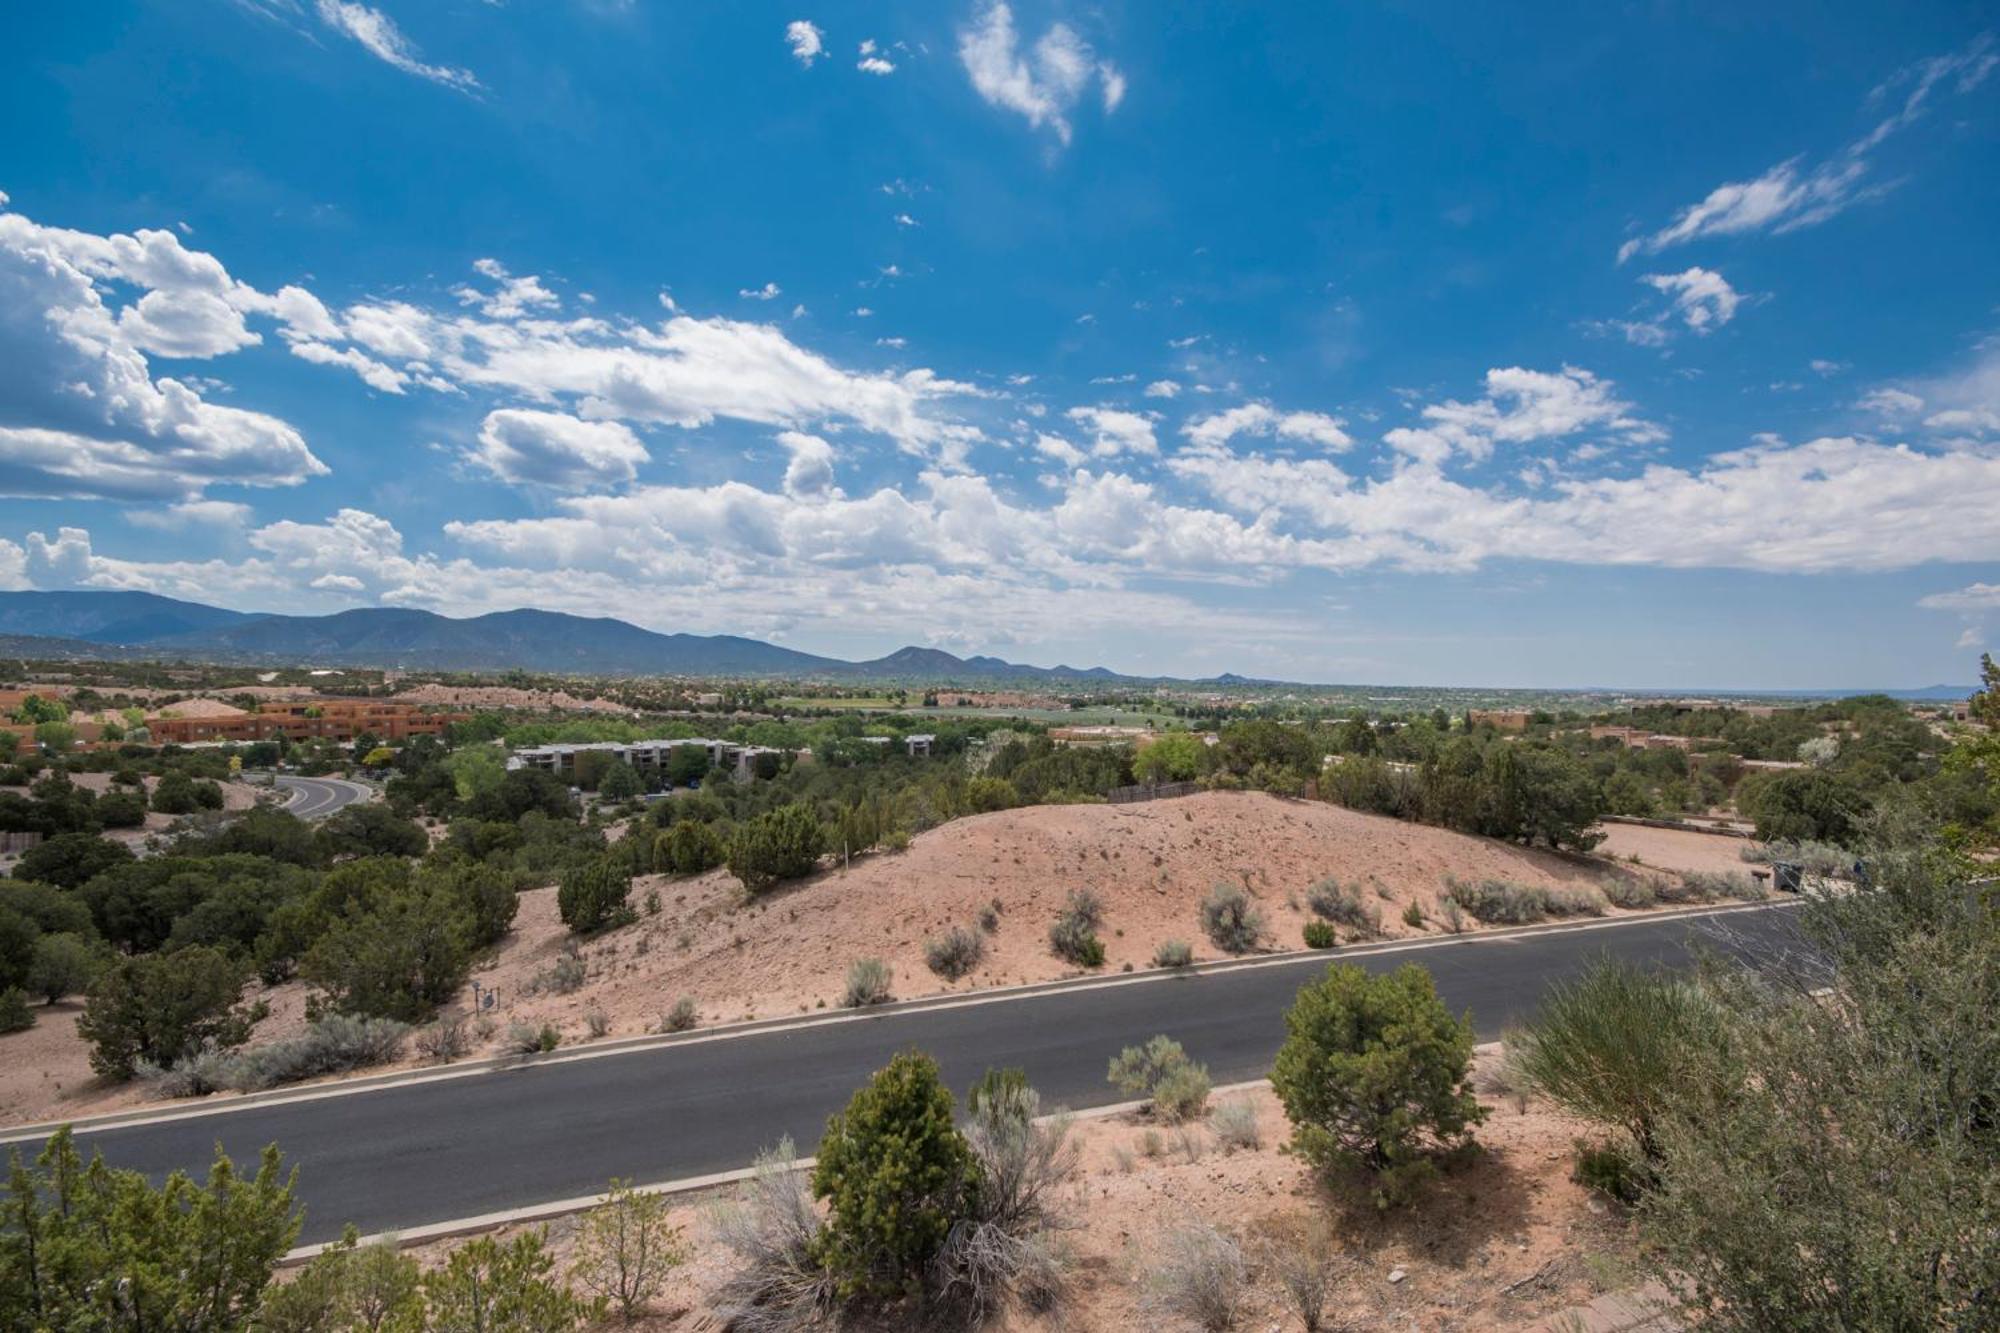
pixel 446 1148
pixel 316 798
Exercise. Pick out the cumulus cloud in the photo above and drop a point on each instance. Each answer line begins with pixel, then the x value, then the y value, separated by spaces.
pixel 1044 84
pixel 1116 432
pixel 1521 406
pixel 1790 195
pixel 1258 418
pixel 808 43
pixel 81 414
pixel 1163 389
pixel 556 450
pixel 871 60
pixel 1972 597
pixel 193 515
pixel 380 37
pixel 809 474
pixel 1702 298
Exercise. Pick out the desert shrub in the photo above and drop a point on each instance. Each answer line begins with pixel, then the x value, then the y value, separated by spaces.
pixel 1306 1267
pixel 1343 904
pixel 333 1045
pixel 1823 860
pixel 489 1286
pixel 63 964
pixel 1454 916
pixel 626 1247
pixel 1162 1072
pixel 71 860
pixel 112 1250
pixel 564 976
pixel 1235 1123
pixel 690 847
pixel 1374 1074
pixel 1613 1170
pixel 1199 1277
pixel 776 846
pixel 683 1016
pixel 1413 916
pixel 592 896
pixel 895 1174
pixel 1707 886
pixel 348 1288
pixel 596 1022
pixel 15 1016
pixel 776 1284
pixel 868 982
pixel 1231 919
pixel 1500 902
pixel 1613 1044
pixel 1173 953
pixel 1630 891
pixel 160 1007
pixel 1073 937
pixel 1319 935
pixel 527 1039
pixel 120 809
pixel 989 918
pixel 954 953
pixel 443 1040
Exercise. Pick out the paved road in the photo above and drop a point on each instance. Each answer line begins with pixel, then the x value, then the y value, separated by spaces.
pixel 316 798
pixel 429 1152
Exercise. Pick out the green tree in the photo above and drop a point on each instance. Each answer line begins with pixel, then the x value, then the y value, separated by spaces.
pixel 626 1247
pixel 64 964
pixel 620 782
pixel 686 765
pixel 592 895
pixel 35 710
pixel 400 957
pixel 1374 1074
pixel 371 829
pixel 688 848
pixel 490 1287
pixel 161 1007
pixel 18 936
pixel 782 844
pixel 55 737
pixel 92 1247
pixel 1801 805
pixel 348 1288
pixel 70 860
pixel 1173 757
pixel 896 1174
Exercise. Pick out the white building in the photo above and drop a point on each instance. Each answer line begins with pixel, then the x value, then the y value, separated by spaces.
pixel 646 756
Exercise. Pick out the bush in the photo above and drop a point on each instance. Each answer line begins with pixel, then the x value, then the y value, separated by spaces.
pixel 1235 1123
pixel 1161 1072
pixel 1073 937
pixel 1613 1045
pixel 1232 921
pixel 490 1287
pixel 1199 1277
pixel 1332 901
pixel 683 1017
pixel 71 860
pixel 443 1041
pixel 120 809
pixel 772 1228
pixel 592 896
pixel 1630 891
pixel 1003 1244
pixel 527 1039
pixel 895 1174
pixel 400 956
pixel 161 1007
pixel 627 1246
pixel 688 848
pixel 1500 902
pixel 1173 953
pixel 868 981
pixel 564 976
pixel 333 1045
pixel 1707 886
pixel 15 1016
pixel 1374 1074
pixel 783 844
pixel 111 1250
pixel 1319 935
pixel 1306 1268
pixel 1613 1170
pixel 955 953
pixel 64 964
pixel 1413 916
pixel 596 1022
pixel 348 1288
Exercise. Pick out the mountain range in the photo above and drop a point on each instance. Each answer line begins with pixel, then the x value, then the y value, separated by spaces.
pixel 142 625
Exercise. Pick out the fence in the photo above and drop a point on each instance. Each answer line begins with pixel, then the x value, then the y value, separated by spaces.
pixel 1150 791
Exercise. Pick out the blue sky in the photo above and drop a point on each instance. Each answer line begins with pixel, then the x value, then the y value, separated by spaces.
pixel 1627 345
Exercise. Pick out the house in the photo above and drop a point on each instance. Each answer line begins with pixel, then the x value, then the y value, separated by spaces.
pixel 1500 719
pixel 920 743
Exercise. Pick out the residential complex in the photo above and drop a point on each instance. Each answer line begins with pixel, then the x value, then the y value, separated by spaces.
pixel 646 756
pixel 339 720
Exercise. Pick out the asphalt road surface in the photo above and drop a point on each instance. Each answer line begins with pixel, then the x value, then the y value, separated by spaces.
pixel 401 1157
pixel 316 798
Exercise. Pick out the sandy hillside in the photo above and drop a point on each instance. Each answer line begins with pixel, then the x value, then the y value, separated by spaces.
pixel 1640 845
pixel 789 952
pixel 1507 1243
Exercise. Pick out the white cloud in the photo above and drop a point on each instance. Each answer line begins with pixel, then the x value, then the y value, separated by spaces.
pixel 204 515
pixel 1045 86
pixel 1787 197
pixel 1258 418
pixel 1890 402
pixel 905 220
pixel 809 474
pixel 380 36
pixel 80 412
pixel 1702 298
pixel 1116 432
pixel 770 291
pixel 1059 449
pixel 872 61
pixel 554 449
pixel 808 43
pixel 1521 406
pixel 511 298
pixel 1972 597
pixel 1163 389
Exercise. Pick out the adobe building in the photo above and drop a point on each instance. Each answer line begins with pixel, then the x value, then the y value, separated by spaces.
pixel 339 720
